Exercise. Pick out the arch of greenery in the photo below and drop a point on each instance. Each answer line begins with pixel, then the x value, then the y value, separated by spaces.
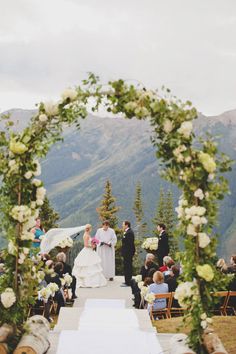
pixel 196 170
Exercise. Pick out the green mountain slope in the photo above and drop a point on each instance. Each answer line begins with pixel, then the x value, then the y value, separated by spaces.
pixel 75 171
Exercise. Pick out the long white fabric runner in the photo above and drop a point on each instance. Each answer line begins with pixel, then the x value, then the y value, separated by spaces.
pixel 105 327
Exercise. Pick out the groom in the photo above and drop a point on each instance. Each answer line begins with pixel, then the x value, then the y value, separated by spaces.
pixel 128 251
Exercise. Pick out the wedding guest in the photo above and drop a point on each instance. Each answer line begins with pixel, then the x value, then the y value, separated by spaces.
pixel 54 277
pixel 106 249
pixel 167 264
pixel 221 265
pixel 127 251
pixel 61 257
pixel 148 264
pixel 158 287
pixel 163 243
pixel 38 231
pixel 172 279
pixel 232 267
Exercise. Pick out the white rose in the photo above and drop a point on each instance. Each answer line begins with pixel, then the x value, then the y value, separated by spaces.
pixel 69 93
pixel 204 220
pixel 203 316
pixel 167 126
pixel 25 236
pixel 150 298
pixel 191 230
pixel 204 324
pixel 11 248
pixel 196 220
pixel 199 194
pixel 33 205
pixel 40 193
pixel 37 172
pixel 204 240
pixel 43 118
pixel 140 284
pixel 39 202
pixel 21 258
pixel 188 159
pixel 12 163
pixel 51 108
pixel 186 129
pixel 26 250
pixel 138 278
pixel 28 174
pixel 8 298
pixel 36 182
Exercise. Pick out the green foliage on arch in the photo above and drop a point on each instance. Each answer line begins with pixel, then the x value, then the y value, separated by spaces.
pixel 197 171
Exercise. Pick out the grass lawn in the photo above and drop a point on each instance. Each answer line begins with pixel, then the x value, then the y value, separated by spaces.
pixel 225 327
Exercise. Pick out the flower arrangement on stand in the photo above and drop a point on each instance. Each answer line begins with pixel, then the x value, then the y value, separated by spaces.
pixel 150 244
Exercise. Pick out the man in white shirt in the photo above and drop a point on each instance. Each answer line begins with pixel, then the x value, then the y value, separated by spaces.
pixel 106 249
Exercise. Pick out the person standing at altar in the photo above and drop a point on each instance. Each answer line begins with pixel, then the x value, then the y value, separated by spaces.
pixel 128 251
pixel 163 243
pixel 38 231
pixel 106 249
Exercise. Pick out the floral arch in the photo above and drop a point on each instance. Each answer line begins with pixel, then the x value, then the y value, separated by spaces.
pixel 196 170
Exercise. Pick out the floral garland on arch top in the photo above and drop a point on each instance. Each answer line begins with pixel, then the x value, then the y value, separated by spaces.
pixel 195 170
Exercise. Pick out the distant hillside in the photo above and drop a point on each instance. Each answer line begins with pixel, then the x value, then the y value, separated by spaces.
pixel 75 171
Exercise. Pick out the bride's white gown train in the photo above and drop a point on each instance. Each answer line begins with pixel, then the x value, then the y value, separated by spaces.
pixel 88 270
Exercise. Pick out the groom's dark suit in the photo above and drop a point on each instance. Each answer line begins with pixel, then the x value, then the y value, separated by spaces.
pixel 163 247
pixel 128 251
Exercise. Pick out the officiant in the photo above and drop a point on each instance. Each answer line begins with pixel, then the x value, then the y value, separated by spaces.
pixel 106 249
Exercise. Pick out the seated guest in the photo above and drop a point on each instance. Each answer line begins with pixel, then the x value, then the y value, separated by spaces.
pixel 221 265
pixel 166 260
pixel 232 267
pixel 54 277
pixel 61 257
pixel 158 287
pixel 172 279
pixel 148 264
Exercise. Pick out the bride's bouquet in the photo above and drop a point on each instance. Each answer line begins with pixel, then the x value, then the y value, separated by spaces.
pixel 94 242
pixel 150 244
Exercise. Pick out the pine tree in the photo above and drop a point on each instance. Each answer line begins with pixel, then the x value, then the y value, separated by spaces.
pixel 160 211
pixel 48 215
pixel 138 212
pixel 170 222
pixel 107 209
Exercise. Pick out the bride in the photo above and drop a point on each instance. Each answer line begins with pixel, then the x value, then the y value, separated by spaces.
pixel 87 265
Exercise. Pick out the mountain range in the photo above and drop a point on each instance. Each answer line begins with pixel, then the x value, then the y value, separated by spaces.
pixel 118 149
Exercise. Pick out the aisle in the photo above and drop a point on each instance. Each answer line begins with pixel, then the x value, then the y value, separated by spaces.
pixel 104 321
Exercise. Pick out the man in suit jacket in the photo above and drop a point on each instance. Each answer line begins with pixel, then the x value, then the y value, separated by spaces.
pixel 163 244
pixel 128 251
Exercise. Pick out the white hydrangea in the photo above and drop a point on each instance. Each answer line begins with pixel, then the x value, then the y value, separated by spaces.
pixel 36 182
pixel 191 230
pixel 67 242
pixel 8 298
pixel 28 174
pixel 69 93
pixel 138 278
pixel 21 258
pixel 25 236
pixel 203 239
pixel 140 284
pixel 150 243
pixel 184 292
pixel 186 129
pixel 150 298
pixel 21 213
pixel 51 108
pixel 199 194
pixel 11 248
pixel 144 291
pixel 167 126
pixel 68 279
pixel 43 118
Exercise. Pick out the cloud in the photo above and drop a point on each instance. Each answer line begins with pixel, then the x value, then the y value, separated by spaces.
pixel 47 45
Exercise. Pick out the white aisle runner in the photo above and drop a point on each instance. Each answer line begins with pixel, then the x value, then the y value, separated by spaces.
pixel 106 326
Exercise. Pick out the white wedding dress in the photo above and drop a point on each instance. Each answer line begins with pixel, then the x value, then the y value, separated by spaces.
pixel 87 269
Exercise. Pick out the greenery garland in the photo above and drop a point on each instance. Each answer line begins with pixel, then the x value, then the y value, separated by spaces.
pixel 196 170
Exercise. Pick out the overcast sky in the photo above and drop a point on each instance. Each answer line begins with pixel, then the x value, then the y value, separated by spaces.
pixel 186 45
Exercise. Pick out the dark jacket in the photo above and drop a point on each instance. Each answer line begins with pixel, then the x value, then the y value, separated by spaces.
pixel 128 247
pixel 145 269
pixel 163 245
pixel 66 269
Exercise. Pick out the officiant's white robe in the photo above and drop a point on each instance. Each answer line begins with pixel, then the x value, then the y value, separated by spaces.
pixel 106 253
